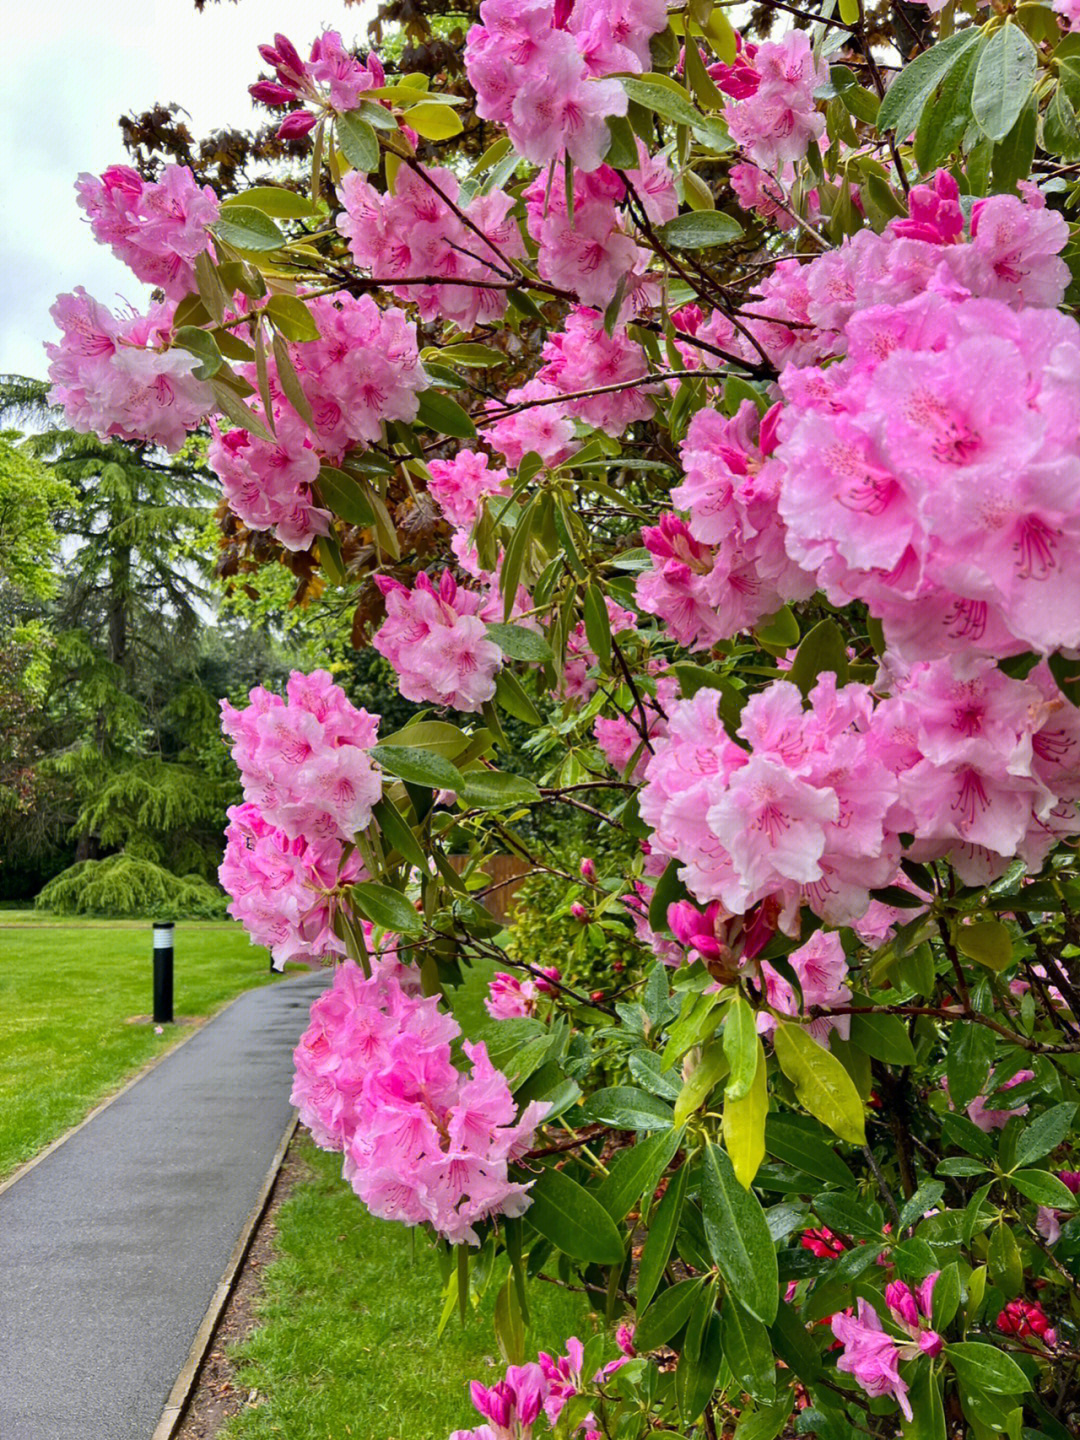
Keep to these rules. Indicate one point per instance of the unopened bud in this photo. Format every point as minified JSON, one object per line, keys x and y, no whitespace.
{"x":296,"y":125}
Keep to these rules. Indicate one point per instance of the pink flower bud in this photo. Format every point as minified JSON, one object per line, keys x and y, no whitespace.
{"x":290,"y":56}
{"x":296,"y":125}
{"x":271,"y":94}
{"x":931,"y":1343}
{"x":902,"y":1303}
{"x":588,"y":870}
{"x":578,"y":911}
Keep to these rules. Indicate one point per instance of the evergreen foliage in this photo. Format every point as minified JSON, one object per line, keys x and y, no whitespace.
{"x":126,"y":886}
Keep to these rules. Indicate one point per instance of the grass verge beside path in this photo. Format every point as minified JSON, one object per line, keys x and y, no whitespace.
{"x":67,"y":990}
{"x":347,"y":1346}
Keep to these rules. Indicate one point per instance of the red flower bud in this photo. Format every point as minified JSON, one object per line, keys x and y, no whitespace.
{"x":271,"y":94}
{"x":296,"y":125}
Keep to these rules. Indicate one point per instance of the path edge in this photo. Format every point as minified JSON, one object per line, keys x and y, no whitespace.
{"x":184,"y":1388}
{"x":35,"y":1160}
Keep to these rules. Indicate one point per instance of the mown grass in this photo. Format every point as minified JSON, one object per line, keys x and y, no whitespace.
{"x":347,"y":1348}
{"x":67,"y":991}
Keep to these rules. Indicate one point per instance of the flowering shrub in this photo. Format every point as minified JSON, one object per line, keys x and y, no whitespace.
{"x":713,"y":433}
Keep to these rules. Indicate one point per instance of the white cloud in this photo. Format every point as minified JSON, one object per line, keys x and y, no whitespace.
{"x":71,"y":69}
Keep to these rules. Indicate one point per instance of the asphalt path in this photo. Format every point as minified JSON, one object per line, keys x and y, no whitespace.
{"x":111,"y":1247}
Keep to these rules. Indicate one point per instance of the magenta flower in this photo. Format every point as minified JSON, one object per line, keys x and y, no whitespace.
{"x":870,"y":1355}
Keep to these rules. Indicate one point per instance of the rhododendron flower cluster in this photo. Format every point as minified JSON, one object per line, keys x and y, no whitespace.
{"x":114,"y":376}
{"x":416,"y":231}
{"x":458,"y":486}
{"x":727,"y":567}
{"x":910,"y":481}
{"x":510,"y":998}
{"x":580,"y":656}
{"x":422,"y":1141}
{"x":871,"y":1355}
{"x":346,"y":80}
{"x":363,"y":369}
{"x":513,"y":1405}
{"x":268,"y":482}
{"x":1027,"y":1318}
{"x":437,"y":642}
{"x":625,"y":736}
{"x":821,"y":968}
{"x":776,"y":119}
{"x":545,"y":428}
{"x":537,"y":67}
{"x":303,"y":760}
{"x":285,"y":890}
{"x":586,"y":357}
{"x":156,"y":228}
{"x":979,"y":1110}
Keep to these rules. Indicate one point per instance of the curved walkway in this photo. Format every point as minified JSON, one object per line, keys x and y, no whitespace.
{"x":111,"y":1248}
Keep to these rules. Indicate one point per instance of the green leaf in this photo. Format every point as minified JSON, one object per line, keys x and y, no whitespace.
{"x":779,"y":632}
{"x":638,"y":1173}
{"x":945,"y":1300}
{"x":988,"y":942}
{"x":661,"y":1237}
{"x":741,"y":1048}
{"x":509,"y":1322}
{"x":666,"y":1316}
{"x":667,"y":103}
{"x":738,"y":1236}
{"x":496,"y":790}
{"x":766,"y":1422}
{"x":358,"y":141}
{"x":386,"y":907}
{"x":292,"y":317}
{"x":822,"y":649}
{"x":420,"y":767}
{"x":627,"y":1108}
{"x":792,"y":1144}
{"x":744,"y":1124}
{"x":849,"y":11}
{"x":793,"y":1345}
{"x":597,"y":625}
{"x":967,"y":1062}
{"x":271,"y":200}
{"x":573,"y":1220}
{"x":985,"y":1367}
{"x":699,"y":1364}
{"x":203,"y":346}
{"x":290,"y":382}
{"x":669,"y":889}
{"x":1003,"y":81}
{"x":1045,"y":1133}
{"x":917,"y":81}
{"x":884,"y":1038}
{"x":698,"y":229}
{"x":248,"y":229}
{"x":344,"y":496}
{"x":622,"y":148}
{"x":927,"y":1410}
{"x":445,"y":416}
{"x":433,"y":121}
{"x":748,"y":1351}
{"x":821,"y":1082}
{"x":699,"y":1085}
{"x":513,"y":699}
{"x":1043,"y":1188}
{"x":478,"y":356}
{"x":518,"y":642}
{"x":1011,"y":160}
{"x":397,"y":834}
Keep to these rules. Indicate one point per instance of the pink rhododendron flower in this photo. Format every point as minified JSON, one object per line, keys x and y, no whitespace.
{"x":303,"y":760}
{"x":437,"y":642}
{"x":114,"y":376}
{"x":268,"y":483}
{"x":285,"y":891}
{"x":509,"y":998}
{"x":545,"y":429}
{"x":459,"y":485}
{"x":156,"y":228}
{"x":412,"y":232}
{"x":778,"y":119}
{"x":620,"y":739}
{"x":821,"y":967}
{"x":586,"y":357}
{"x":987,"y":1119}
{"x":422,"y":1141}
{"x":870,"y":1355}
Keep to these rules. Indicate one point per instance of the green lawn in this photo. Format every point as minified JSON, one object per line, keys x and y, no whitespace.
{"x":347,"y":1348}
{"x":66,"y":990}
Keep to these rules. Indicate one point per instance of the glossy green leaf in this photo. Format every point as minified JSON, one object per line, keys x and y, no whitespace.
{"x":702,"y":1080}
{"x":627,"y":1108}
{"x":1043,"y":1188}
{"x":496,"y":790}
{"x":433,"y":121}
{"x":203,"y":346}
{"x":741,"y":1048}
{"x":1003,"y":81}
{"x":985,"y":1367}
{"x":272,"y":200}
{"x":793,"y":1145}
{"x":967,"y":1062}
{"x":573,"y":1220}
{"x":661,"y":1237}
{"x":445,"y":416}
{"x":344,"y":496}
{"x":666,"y":1316}
{"x":397,"y":834}
{"x":744,"y":1124}
{"x":419,"y":767}
{"x":386,"y":907}
{"x":702,"y":1356}
{"x":988,"y":942}
{"x":927,"y":1409}
{"x":248,"y":229}
{"x":1044,"y":1133}
{"x":637,"y":1172}
{"x":699,"y":229}
{"x":518,"y":642}
{"x":738,"y":1236}
{"x":917,"y":81}
{"x":748,"y":1350}
{"x":822,"y":649}
{"x":883,"y":1037}
{"x":669,"y":889}
{"x":766,"y":1422}
{"x":821,"y":1082}
{"x":597,"y":625}
{"x":359,"y":142}
{"x":513,"y":699}
{"x":622,"y":149}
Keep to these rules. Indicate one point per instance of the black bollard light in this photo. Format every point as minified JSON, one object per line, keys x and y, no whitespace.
{"x":163,"y":972}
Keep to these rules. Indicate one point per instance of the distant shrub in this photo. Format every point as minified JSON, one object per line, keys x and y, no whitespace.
{"x":128,"y":887}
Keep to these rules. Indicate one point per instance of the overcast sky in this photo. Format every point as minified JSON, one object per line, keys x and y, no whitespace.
{"x":71,"y":68}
